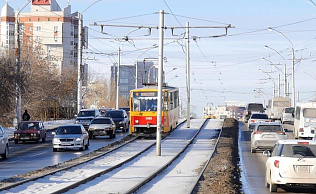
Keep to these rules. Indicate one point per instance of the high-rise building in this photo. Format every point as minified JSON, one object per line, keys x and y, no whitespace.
{"x":47,"y":27}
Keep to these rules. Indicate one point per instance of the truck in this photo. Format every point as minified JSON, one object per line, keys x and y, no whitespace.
{"x":275,"y":107}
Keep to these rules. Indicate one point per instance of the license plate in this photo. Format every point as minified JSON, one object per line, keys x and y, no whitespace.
{"x":66,"y":144}
{"x":25,"y":138}
{"x":303,"y":169}
{"x":269,"y":136}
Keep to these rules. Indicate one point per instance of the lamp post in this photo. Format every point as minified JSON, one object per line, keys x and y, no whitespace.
{"x":293,"y":61}
{"x":79,"y":80}
{"x":271,"y":80}
{"x":279,"y":82}
{"x":285,"y":80}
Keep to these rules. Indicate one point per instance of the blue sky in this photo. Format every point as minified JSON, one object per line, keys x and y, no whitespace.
{"x":225,"y":68}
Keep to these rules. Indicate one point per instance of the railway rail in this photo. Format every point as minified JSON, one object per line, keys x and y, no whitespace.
{"x":113,"y":172}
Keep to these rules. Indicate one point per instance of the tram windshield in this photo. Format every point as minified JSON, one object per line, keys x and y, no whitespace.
{"x":145,"y":104}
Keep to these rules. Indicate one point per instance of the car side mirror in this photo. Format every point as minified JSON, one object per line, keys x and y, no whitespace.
{"x":53,"y":133}
{"x":267,"y":153}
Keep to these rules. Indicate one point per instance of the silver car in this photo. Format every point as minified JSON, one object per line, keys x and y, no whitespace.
{"x":287,"y":115}
{"x":70,"y":136}
{"x":102,"y":126}
{"x":265,"y":135}
{"x":4,"y":144}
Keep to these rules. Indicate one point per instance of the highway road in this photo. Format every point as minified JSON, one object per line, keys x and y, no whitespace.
{"x":29,"y":156}
{"x":253,"y":164}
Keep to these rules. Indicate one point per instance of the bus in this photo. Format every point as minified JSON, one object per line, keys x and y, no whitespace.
{"x":305,"y":120}
{"x":276,"y":106}
{"x":143,"y":110}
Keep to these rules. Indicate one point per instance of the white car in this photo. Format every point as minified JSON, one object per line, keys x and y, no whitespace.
{"x":4,"y":144}
{"x":70,"y":136}
{"x":256,"y":118}
{"x":265,"y":135}
{"x":292,"y":163}
{"x":287,"y":115}
{"x":102,"y":126}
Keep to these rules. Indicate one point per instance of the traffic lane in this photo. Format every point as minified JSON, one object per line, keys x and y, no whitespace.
{"x":29,"y":156}
{"x":253,"y":164}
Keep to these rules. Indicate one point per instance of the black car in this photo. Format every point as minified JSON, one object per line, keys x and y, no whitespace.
{"x":120,"y":119}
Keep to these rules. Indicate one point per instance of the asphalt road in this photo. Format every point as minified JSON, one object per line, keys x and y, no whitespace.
{"x":29,"y":156}
{"x":253,"y":164}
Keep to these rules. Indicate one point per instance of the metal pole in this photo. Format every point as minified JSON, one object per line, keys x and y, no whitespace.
{"x":293,"y":80}
{"x":188,"y":73}
{"x":118,"y":78}
{"x":279,"y":86}
{"x":79,"y":81}
{"x":160,"y":74}
{"x":273,"y":89}
{"x":285,"y":82}
{"x":136,"y":74}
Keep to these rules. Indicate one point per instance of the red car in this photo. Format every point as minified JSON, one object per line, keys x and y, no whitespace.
{"x":30,"y":131}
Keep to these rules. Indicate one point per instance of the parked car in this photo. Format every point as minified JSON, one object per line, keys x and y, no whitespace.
{"x":70,"y":136}
{"x":256,"y":118}
{"x":4,"y":144}
{"x":292,"y":163}
{"x":102,"y":126}
{"x":253,"y":108}
{"x":265,"y":135}
{"x":287,"y":115}
{"x":85,"y":116}
{"x":120,"y":119}
{"x":30,"y":131}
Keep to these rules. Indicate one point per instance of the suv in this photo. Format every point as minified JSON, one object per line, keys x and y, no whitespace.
{"x":253,"y":108}
{"x":30,"y":131}
{"x":4,"y":144}
{"x":85,"y":117}
{"x":102,"y":126}
{"x":120,"y":119}
{"x":287,"y":115}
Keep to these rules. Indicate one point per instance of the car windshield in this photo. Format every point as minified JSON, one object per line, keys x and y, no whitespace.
{"x":259,"y":116}
{"x":86,"y":114}
{"x":309,"y":112}
{"x":289,"y":110}
{"x":115,"y":114}
{"x":69,"y":130}
{"x":29,"y":125}
{"x":255,"y":107}
{"x":101,"y":121}
{"x":269,"y":128}
{"x":290,"y":150}
{"x":281,"y":103}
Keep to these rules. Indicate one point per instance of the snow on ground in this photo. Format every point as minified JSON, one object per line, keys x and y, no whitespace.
{"x":130,"y":174}
{"x":182,"y":174}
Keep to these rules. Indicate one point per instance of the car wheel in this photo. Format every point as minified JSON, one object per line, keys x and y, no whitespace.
{"x":87,"y":146}
{"x":81,"y":148}
{"x":266,"y":184}
{"x":111,"y":135}
{"x":54,"y":149}
{"x":16,"y":141}
{"x":6,"y":152}
{"x":114,"y":135}
{"x":272,"y":187}
{"x":91,"y":135}
{"x":38,"y":139}
{"x":44,"y":138}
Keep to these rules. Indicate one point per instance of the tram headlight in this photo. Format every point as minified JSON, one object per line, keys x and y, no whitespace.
{"x":136,"y":121}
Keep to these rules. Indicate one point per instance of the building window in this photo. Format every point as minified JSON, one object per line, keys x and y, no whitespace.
{"x":30,"y":38}
{"x":48,"y":19}
{"x":38,"y":28}
{"x":55,"y":29}
{"x":58,"y":19}
{"x":55,"y":38}
{"x":124,"y":88}
{"x":71,"y":53}
{"x":30,"y":29}
{"x":71,"y":43}
{"x":124,"y":81}
{"x":30,"y":19}
{"x":38,"y":19}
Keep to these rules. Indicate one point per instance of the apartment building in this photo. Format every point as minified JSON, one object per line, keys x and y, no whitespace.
{"x":48,"y":28}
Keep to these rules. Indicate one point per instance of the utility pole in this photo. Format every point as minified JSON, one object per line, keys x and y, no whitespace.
{"x":188,"y":73}
{"x":118,"y":78}
{"x":279,"y":86}
{"x":160,"y":77}
{"x":79,"y":80}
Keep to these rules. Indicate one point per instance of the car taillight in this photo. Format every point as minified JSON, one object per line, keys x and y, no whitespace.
{"x":301,"y":130}
{"x":252,"y":121}
{"x":267,"y":121}
{"x":303,"y":143}
{"x":257,"y":132}
{"x":281,"y":133}
{"x":277,"y":163}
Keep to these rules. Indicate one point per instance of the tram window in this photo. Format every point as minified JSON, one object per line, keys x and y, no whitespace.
{"x":145,"y":104}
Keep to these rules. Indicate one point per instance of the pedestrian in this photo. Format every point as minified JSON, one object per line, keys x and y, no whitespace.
{"x":26,"y":116}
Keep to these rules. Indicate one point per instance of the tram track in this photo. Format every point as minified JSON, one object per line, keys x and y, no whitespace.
{"x":99,"y":166}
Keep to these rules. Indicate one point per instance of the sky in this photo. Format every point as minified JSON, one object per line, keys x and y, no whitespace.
{"x":227,"y":68}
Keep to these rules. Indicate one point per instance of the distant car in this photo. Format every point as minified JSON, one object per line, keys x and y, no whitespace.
{"x":256,"y":118}
{"x":120,"y":119}
{"x":265,"y":135}
{"x":102,"y":126}
{"x":292,"y":163}
{"x":252,"y":108}
{"x":85,"y":116}
{"x":70,"y":136}
{"x":30,"y":131}
{"x":104,"y":110}
{"x":4,"y":144}
{"x":287,"y":115}
{"x":127,"y":109}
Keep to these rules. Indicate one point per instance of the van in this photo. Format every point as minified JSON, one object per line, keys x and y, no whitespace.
{"x":275,"y":107}
{"x":253,"y":108}
{"x":305,"y":120}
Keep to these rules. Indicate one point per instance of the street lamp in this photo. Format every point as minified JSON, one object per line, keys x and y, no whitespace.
{"x":293,"y":59}
{"x":271,"y":80}
{"x":279,"y":82}
{"x":285,"y":80}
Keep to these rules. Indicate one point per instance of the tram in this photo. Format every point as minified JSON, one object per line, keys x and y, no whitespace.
{"x":143,"y":109}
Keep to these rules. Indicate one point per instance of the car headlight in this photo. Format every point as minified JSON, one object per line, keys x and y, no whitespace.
{"x":78,"y":139}
{"x":56,"y":140}
{"x":121,"y":122}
